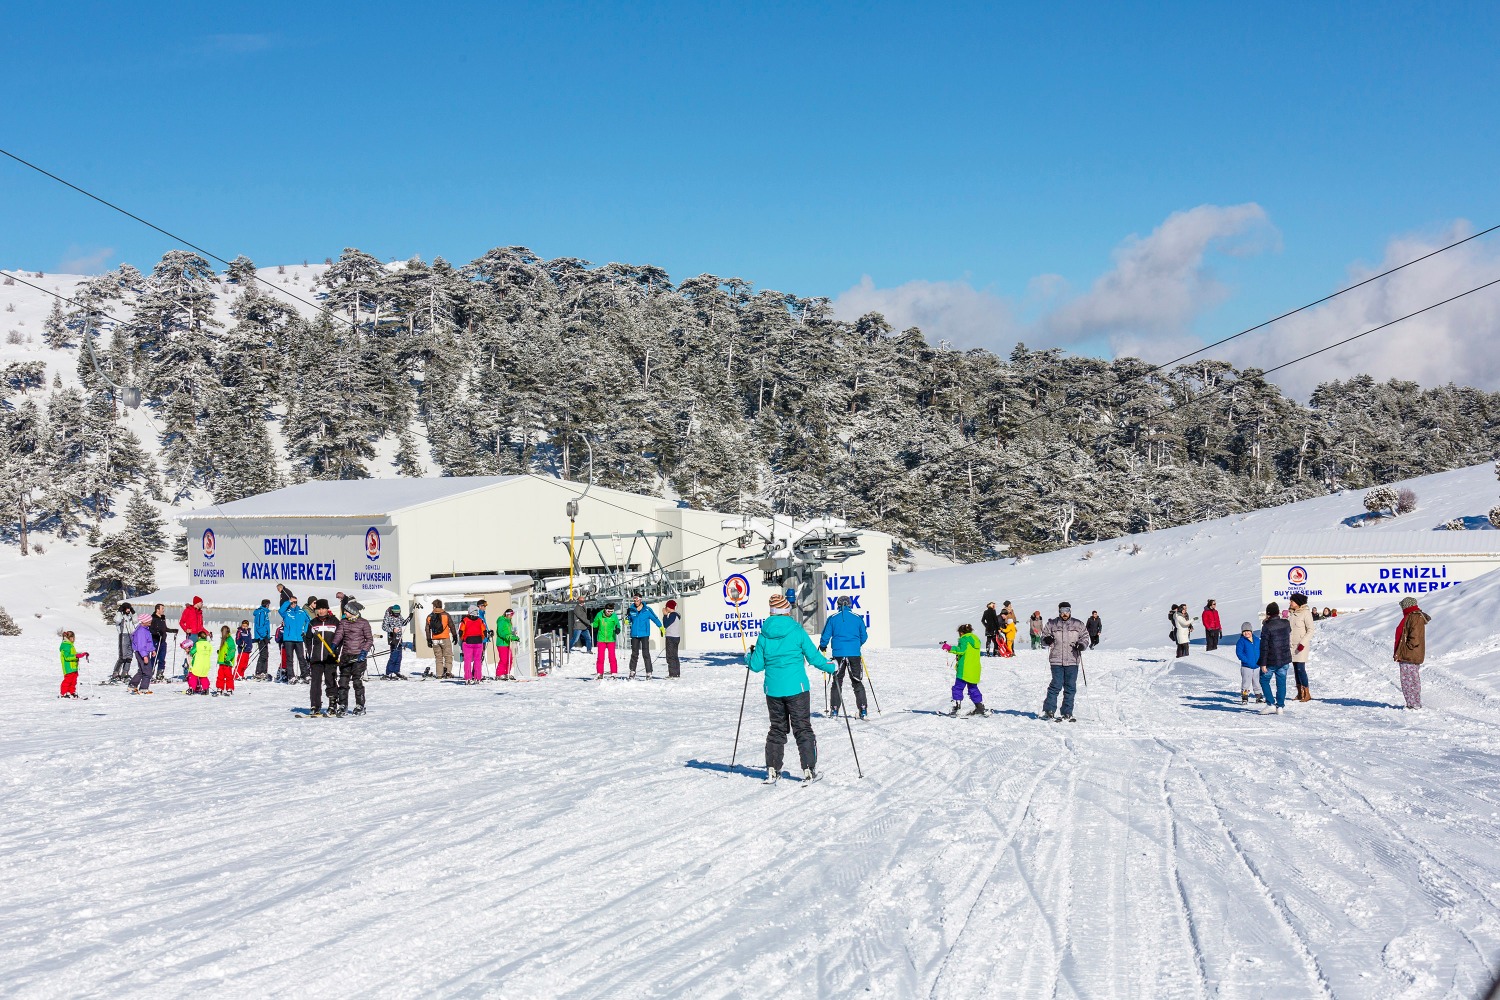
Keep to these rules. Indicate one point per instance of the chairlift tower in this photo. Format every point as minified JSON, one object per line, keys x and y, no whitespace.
{"x":793,"y":555}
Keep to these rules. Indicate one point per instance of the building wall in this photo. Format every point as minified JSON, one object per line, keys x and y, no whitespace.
{"x":1351,"y":583}
{"x":308,"y":555}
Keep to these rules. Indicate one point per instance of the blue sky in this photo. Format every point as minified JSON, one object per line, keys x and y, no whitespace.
{"x":1007,"y":150}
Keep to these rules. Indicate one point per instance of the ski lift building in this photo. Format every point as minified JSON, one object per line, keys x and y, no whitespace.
{"x":387,"y":535}
{"x":1354,"y":570}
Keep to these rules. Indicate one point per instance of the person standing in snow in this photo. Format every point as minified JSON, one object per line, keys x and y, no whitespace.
{"x":1065,"y":638}
{"x":471,"y":633}
{"x":1301,"y":620}
{"x":1411,"y":649}
{"x":505,"y":642}
{"x":846,"y":631}
{"x":581,"y":625}
{"x":1182,"y":628}
{"x":1247,"y":651}
{"x":671,"y":630}
{"x":70,"y":656}
{"x":779,"y":653}
{"x":144,"y":647}
{"x":640,"y":618}
{"x":191,"y":622}
{"x":966,"y":669}
{"x":354,"y":641}
{"x":124,"y":629}
{"x":1038,"y":625}
{"x":1094,"y":626}
{"x":260,"y":634}
{"x":224,"y":679}
{"x":200,"y":664}
{"x":439,"y":629}
{"x":294,"y":624}
{"x":241,"y":649}
{"x":990,"y":622}
{"x":393,"y":624}
{"x":606,"y":627}
{"x":322,"y":657}
{"x":1275,"y":657}
{"x":1212,"y":629}
{"x":159,"y":632}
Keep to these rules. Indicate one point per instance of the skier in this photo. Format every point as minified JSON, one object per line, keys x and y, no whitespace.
{"x":1275,"y":656}
{"x":159,"y":636}
{"x":966,"y":671}
{"x":1247,"y":651}
{"x":144,"y":647}
{"x":990,"y":622}
{"x":1182,"y":628}
{"x":471,"y":633}
{"x":1212,"y":630}
{"x":294,"y":623}
{"x":640,"y":618}
{"x":354,"y":641}
{"x":242,"y":649}
{"x":124,"y":630}
{"x":70,"y":657}
{"x":671,"y":630}
{"x":392,"y":625}
{"x":1411,"y":649}
{"x":322,"y":658}
{"x":439,"y":629}
{"x":505,"y":640}
{"x":606,"y":627}
{"x":191,"y":622}
{"x":283,"y":675}
{"x":779,"y":653}
{"x":581,"y":625}
{"x":200,"y":663}
{"x":224,"y":680}
{"x":1303,"y":628}
{"x":846,"y":631}
{"x":1095,"y":628}
{"x":1065,"y":638}
{"x":261,"y":635}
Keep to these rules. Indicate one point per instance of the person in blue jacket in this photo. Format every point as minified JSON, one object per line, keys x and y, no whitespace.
{"x":640,"y":618}
{"x":846,"y":631}
{"x":779,"y":653}
{"x":260,"y":633}
{"x":294,"y":622}
{"x":1247,"y":651}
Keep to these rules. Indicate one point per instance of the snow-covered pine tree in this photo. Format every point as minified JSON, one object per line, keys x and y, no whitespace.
{"x":1382,"y":499}
{"x":25,"y":470}
{"x":143,"y":522}
{"x":120,"y":568}
{"x":8,"y":624}
{"x":55,"y":328}
{"x":241,"y":271}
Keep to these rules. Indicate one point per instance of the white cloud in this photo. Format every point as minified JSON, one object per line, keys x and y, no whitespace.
{"x":78,"y":260}
{"x":954,"y":311}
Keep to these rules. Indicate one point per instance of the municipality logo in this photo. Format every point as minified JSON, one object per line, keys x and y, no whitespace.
{"x":1296,"y":576}
{"x":210,"y":543}
{"x":372,"y":544}
{"x":736,"y":590}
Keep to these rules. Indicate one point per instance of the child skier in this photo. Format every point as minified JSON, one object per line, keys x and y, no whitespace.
{"x":242,"y":644}
{"x":606,"y":627}
{"x":1008,"y":632}
{"x":1247,"y":651}
{"x":200,"y":664}
{"x":966,"y":669}
{"x":282,"y":676}
{"x":224,"y":682}
{"x":70,"y":657}
{"x":1037,"y":625}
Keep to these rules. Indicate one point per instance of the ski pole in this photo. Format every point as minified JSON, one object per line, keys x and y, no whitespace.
{"x":851,"y":745}
{"x":741,"y":720}
{"x":871,"y":678}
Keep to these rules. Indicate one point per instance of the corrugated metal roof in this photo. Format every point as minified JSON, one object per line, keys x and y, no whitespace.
{"x":350,"y":497}
{"x":1360,"y":542}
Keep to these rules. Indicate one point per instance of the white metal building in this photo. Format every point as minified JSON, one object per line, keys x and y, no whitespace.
{"x":1353,"y":570}
{"x":387,"y":535}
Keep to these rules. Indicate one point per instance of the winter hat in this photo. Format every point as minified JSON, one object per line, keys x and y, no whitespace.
{"x":1273,"y":610}
{"x":143,"y":619}
{"x":394,"y":607}
{"x":197,"y":600}
{"x":1065,"y":606}
{"x":671,"y":605}
{"x":322,"y":604}
{"x":1408,"y":602}
{"x":1246,"y":627}
{"x":1299,"y":600}
{"x":780,"y":605}
{"x":353,"y":608}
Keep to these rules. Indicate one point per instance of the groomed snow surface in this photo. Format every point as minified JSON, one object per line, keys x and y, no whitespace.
{"x":567,"y":837}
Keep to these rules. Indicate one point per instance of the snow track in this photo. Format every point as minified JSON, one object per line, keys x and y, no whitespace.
{"x":581,"y":839}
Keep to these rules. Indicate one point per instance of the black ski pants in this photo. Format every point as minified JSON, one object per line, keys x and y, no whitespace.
{"x":325,"y":676}
{"x":262,"y":657}
{"x":992,"y":643}
{"x":854,"y":667}
{"x":674,"y":665}
{"x":1064,"y":681}
{"x":793,"y":715}
{"x":295,"y":652}
{"x":1211,"y":638}
{"x":351,"y":674}
{"x":640,"y":645}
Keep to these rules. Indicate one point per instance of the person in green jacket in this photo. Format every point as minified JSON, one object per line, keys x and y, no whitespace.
{"x":606,"y":627}
{"x":966,"y":666}
{"x":70,"y":655}
{"x":780,"y":653}
{"x":200,"y":664}
{"x":505,"y":636}
{"x":224,"y":679}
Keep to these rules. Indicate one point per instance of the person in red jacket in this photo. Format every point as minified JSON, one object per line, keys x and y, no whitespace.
{"x":471,"y":631}
{"x":191,"y":623}
{"x":1211,"y":627}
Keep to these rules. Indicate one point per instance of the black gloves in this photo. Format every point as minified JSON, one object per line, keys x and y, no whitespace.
{"x":1078,"y":648}
{"x":1048,"y":640}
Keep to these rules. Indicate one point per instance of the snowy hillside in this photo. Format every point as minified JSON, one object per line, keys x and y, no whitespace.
{"x":1132,"y":590}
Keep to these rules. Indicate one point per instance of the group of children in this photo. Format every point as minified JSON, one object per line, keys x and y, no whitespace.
{"x":201,"y":660}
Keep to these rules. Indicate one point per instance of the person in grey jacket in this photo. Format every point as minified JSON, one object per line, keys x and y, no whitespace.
{"x":581,"y":626}
{"x":1065,"y":638}
{"x":124,"y":633}
{"x":354,"y":640}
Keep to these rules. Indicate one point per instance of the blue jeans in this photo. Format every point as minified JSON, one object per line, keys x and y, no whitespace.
{"x":588,"y":639}
{"x":1065,"y":682}
{"x":1265,"y":684}
{"x":393,"y":665}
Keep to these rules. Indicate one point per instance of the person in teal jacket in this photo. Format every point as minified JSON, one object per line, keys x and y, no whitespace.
{"x":966,"y":669}
{"x":780,"y":653}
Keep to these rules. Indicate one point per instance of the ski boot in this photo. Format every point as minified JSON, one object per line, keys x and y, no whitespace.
{"x":357,"y":710}
{"x":953,"y":712}
{"x":809,"y":775}
{"x":317,"y":713}
{"x":1244,"y":697}
{"x":1047,"y":716}
{"x":980,"y":710}
{"x":864,"y":713}
{"x":772,"y":776}
{"x":336,"y":712}
{"x":1066,"y":718}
